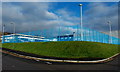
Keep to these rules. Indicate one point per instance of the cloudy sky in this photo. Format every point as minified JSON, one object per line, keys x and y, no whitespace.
{"x":29,"y":16}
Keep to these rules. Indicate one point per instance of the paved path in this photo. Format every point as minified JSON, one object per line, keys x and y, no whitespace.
{"x":15,"y":63}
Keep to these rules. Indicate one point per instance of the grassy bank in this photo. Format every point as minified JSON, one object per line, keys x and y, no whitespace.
{"x":66,"y":49}
{"x":0,"y":44}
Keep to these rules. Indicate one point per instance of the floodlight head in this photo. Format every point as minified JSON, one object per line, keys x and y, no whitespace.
{"x":3,"y":25}
{"x":108,"y":22}
{"x":11,"y":23}
{"x":80,"y":4}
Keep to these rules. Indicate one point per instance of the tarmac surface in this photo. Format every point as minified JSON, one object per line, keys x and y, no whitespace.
{"x":14,"y":63}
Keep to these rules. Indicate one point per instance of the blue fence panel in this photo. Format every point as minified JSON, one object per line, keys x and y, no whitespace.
{"x":69,"y":34}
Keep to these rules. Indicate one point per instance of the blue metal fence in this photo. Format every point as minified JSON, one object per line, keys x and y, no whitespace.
{"x":71,"y":33}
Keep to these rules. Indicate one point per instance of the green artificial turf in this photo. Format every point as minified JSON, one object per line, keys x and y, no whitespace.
{"x":66,"y":49}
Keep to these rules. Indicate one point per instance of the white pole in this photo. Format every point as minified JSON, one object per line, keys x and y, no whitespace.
{"x":81,"y":22}
{"x":58,"y":19}
{"x":13,"y":33}
{"x":68,"y":33}
{"x":110,"y":31}
{"x":77,"y":33}
{"x":13,"y":29}
{"x":30,"y":35}
{"x":3,"y":28}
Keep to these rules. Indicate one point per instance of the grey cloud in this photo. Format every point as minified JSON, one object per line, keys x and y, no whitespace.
{"x":68,"y":16}
{"x":98,"y":15}
{"x":34,"y":16}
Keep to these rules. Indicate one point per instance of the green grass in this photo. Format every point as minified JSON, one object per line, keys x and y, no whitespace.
{"x":0,"y":44}
{"x":66,"y":49}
